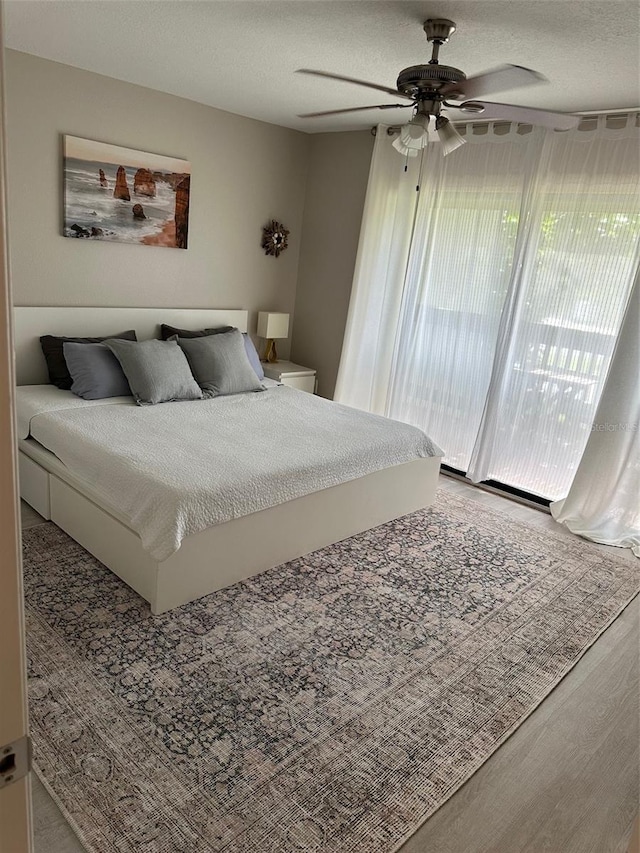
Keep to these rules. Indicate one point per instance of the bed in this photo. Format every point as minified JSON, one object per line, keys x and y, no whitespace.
{"x":67,"y":475}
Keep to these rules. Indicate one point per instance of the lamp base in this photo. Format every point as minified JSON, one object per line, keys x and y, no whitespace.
{"x":270,"y":353}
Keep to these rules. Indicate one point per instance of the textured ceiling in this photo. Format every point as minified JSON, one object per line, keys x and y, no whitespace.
{"x":240,"y":55}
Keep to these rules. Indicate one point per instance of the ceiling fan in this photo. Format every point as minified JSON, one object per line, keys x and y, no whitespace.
{"x":430,"y":88}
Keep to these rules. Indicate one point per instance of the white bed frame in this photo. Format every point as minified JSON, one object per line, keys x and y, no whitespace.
{"x":221,"y":555}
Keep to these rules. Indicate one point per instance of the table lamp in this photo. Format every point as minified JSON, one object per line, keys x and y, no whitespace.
{"x":270,"y":326}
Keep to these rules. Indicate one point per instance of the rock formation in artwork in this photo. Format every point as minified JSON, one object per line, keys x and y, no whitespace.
{"x":103,"y":179}
{"x":96,"y":232}
{"x":122,"y":190}
{"x":171,"y":178}
{"x":144,"y":183}
{"x":182,"y":212}
{"x":138,"y":211}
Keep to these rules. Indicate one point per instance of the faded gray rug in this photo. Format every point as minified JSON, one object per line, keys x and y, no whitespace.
{"x":330,"y":704}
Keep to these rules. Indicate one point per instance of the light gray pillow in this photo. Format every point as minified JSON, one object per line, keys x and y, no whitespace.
{"x":95,"y":371}
{"x":157,"y":371}
{"x":220,"y":364}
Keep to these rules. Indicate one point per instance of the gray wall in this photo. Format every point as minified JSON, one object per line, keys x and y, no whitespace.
{"x":244,"y":172}
{"x":336,"y":186}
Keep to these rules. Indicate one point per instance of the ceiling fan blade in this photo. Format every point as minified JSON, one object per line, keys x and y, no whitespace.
{"x":496,"y":80}
{"x":356,"y":110}
{"x":526,"y":115}
{"x":364,"y":83}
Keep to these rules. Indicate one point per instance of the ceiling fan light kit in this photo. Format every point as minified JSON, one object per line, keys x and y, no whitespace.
{"x":448,"y":135}
{"x":413,"y":136}
{"x":429,"y":86}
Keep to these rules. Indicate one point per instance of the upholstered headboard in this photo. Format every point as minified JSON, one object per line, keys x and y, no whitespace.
{"x":30,"y":323}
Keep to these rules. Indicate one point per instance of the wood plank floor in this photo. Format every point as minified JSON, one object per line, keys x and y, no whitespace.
{"x":568,"y":779}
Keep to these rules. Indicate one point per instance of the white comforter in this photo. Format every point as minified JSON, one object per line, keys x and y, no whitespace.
{"x":178,"y":468}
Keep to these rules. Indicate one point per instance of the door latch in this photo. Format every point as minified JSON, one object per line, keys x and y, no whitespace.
{"x":15,"y":761}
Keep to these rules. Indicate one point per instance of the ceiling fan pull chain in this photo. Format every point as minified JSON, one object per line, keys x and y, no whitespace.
{"x":421,"y":167}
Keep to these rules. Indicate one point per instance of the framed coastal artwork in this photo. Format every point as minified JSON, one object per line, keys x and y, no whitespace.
{"x":123,"y":195}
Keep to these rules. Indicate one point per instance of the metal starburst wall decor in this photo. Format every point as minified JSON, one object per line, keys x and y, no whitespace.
{"x":274,"y":238}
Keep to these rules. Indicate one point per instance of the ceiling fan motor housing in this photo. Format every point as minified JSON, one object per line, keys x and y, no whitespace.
{"x":439,"y":29}
{"x":420,"y":80}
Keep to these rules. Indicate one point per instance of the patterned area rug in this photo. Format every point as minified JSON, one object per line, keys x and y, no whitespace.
{"x":330,"y":704}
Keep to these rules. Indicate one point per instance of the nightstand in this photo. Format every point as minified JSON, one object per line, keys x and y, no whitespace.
{"x":293,"y":375}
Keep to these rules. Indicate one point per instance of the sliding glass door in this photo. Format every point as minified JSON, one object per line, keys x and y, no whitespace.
{"x":523,"y":254}
{"x":455,"y":288}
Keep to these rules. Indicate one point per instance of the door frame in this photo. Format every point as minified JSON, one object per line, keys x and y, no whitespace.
{"x":15,"y":798}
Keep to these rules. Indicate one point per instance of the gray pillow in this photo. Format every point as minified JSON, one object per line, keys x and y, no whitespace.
{"x":220,"y":364}
{"x":172,"y":333}
{"x":54,"y":355}
{"x":157,"y":371}
{"x":252,"y":355}
{"x":95,"y":371}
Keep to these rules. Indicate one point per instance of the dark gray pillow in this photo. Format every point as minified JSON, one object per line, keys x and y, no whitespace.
{"x":167,"y":331}
{"x":54,"y":355}
{"x":95,"y":371}
{"x":220,"y":364}
{"x":157,"y":371}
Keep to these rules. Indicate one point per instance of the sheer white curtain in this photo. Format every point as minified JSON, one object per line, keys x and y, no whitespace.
{"x":487,"y":313}
{"x":578,"y":250}
{"x":383,"y":250}
{"x":603,"y":503}
{"x":457,"y":280}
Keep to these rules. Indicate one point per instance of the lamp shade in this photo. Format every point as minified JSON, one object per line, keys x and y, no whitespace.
{"x":272,"y":325}
{"x":413,"y":137}
{"x":449,"y":136}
